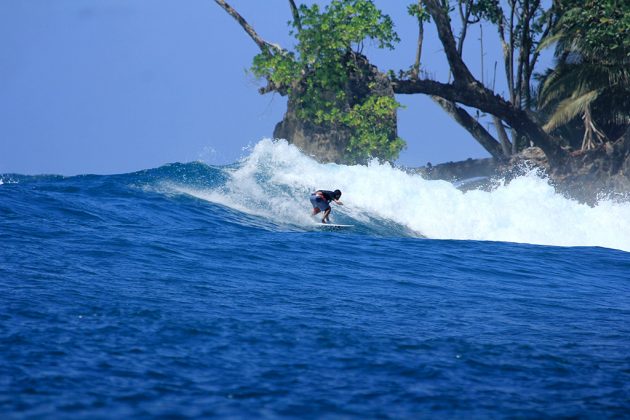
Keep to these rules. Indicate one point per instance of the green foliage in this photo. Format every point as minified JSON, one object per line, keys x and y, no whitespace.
{"x":593,"y":71}
{"x":316,"y":76}
{"x":489,"y":10}
{"x":530,"y":19}
{"x":372,"y":131}
{"x":279,"y":69}
{"x":343,"y":24}
{"x":595,"y":28}
{"x":419,"y":11}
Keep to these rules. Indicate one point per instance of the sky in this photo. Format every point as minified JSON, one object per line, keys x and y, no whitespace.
{"x":115,"y":86}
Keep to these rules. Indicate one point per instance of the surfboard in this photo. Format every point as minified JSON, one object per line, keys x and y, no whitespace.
{"x":332,"y":226}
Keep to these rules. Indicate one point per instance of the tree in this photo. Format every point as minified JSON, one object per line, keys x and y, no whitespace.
{"x":521,"y":27}
{"x":329,"y":82}
{"x":468,"y":91}
{"x":458,"y":113}
{"x":318,"y":75}
{"x":592,"y":77}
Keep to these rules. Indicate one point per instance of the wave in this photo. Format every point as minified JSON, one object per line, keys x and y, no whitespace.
{"x":270,"y":187}
{"x":274,"y":182}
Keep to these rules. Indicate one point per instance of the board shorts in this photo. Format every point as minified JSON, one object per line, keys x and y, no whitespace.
{"x":320,"y":203}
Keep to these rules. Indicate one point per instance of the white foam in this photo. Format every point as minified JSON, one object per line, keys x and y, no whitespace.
{"x":275,"y":181}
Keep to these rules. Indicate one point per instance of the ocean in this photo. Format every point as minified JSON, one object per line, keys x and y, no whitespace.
{"x":195,"y":291}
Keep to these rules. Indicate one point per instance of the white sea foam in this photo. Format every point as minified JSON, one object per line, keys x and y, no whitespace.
{"x":275,"y":181}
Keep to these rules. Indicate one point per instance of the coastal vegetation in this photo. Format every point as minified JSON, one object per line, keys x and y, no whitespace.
{"x":319,"y":75}
{"x":591,"y":80}
{"x":577,"y":114}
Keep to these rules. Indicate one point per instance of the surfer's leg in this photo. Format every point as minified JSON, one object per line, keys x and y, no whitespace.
{"x":315,"y":211}
{"x":326,"y":214}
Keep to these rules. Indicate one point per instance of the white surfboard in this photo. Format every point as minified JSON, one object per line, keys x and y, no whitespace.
{"x":332,"y":226}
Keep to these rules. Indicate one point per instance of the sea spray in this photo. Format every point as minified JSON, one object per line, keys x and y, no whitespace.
{"x":275,"y":179}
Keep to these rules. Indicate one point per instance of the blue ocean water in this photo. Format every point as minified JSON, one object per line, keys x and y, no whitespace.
{"x":195,"y":291}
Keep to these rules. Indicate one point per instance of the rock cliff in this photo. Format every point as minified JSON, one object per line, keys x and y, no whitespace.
{"x":328,"y":143}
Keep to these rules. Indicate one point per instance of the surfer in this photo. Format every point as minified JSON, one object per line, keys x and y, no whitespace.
{"x":321,"y":202}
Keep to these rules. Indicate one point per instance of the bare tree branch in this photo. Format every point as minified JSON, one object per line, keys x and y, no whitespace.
{"x":479,"y":97}
{"x":415,"y":71}
{"x":464,"y":16}
{"x":262,"y":44}
{"x":443,"y":24}
{"x":296,"y":15}
{"x":480,"y":134}
{"x":506,"y":146}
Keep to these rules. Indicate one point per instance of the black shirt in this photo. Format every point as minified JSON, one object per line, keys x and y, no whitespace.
{"x":328,"y":195}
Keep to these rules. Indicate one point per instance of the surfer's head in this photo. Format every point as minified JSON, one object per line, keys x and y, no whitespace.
{"x":337,"y":194}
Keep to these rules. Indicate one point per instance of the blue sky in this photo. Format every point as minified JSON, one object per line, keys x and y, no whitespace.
{"x":114,"y":86}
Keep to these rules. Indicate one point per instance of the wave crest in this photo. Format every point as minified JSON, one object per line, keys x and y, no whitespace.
{"x":275,"y":180}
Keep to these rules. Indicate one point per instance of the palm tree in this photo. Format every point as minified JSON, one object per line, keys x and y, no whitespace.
{"x":592,"y":77}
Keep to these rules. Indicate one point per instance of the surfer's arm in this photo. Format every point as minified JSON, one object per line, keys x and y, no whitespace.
{"x":338,"y":202}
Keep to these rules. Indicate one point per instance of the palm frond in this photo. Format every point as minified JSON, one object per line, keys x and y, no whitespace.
{"x":559,"y":84}
{"x":550,"y":40}
{"x":578,"y":79}
{"x":570,"y":108}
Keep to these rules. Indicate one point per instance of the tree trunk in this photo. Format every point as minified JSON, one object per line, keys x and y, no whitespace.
{"x":506,"y":146}
{"x":468,"y":91}
{"x":472,"y":126}
{"x":296,"y":15}
{"x":415,"y":71}
{"x":483,"y":99}
{"x":443,"y":24}
{"x":262,"y":44}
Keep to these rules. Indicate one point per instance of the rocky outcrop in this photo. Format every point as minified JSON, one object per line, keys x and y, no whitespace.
{"x":324,"y":143}
{"x":587,"y":176}
{"x":604,"y":171}
{"x":458,"y":171}
{"x":329,"y":143}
